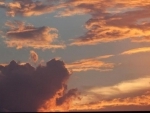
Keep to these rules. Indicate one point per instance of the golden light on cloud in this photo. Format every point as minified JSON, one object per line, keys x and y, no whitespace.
{"x":111,"y":96}
{"x":141,"y":100}
{"x":119,"y":90}
{"x":136,"y":50}
{"x":123,"y":87}
{"x":91,"y":64}
{"x":21,"y":35}
{"x":37,"y":83}
{"x":108,"y":25}
{"x":110,"y":20}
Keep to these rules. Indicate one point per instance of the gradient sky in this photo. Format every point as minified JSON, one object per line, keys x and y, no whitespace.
{"x":103,"y":44}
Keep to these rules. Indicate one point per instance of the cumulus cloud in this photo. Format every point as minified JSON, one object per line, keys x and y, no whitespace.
{"x":111,"y":20}
{"x":24,"y":88}
{"x":21,"y":35}
{"x":136,"y":50}
{"x":33,"y":56}
{"x":90,"y":64}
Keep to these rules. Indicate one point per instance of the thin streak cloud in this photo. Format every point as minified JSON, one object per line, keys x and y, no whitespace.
{"x":91,"y":64}
{"x":136,"y":50}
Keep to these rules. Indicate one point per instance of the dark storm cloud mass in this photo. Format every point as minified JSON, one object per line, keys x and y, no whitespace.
{"x":25,"y":88}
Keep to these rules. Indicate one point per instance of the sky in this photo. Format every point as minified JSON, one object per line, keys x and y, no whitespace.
{"x":74,"y":55}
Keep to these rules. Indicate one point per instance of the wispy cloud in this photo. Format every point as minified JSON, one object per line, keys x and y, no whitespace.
{"x":136,"y":50}
{"x":30,"y":7}
{"x":111,"y":96}
{"x":21,"y":35}
{"x":91,"y":64}
{"x":111,"y":20}
{"x":123,"y":87}
{"x":142,"y":100}
{"x":118,"y":90}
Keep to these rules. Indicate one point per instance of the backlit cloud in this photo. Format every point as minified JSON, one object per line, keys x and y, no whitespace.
{"x":25,"y":88}
{"x":20,"y":35}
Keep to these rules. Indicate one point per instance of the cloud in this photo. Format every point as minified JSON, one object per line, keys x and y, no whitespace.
{"x":111,"y":20}
{"x":136,"y":50}
{"x":90,"y":64}
{"x":119,"y":90}
{"x":2,"y":4}
{"x":138,"y":101}
{"x":20,"y":35}
{"x":123,"y":87}
{"x":30,"y":7}
{"x":120,"y":96}
{"x":25,"y":88}
{"x":33,"y":56}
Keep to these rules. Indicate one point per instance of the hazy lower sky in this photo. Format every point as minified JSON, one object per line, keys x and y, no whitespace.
{"x":74,"y":55}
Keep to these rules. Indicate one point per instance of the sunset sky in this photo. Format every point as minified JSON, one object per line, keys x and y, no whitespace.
{"x":74,"y":55}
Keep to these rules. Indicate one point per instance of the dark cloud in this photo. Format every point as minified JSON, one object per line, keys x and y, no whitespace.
{"x":24,"y":88}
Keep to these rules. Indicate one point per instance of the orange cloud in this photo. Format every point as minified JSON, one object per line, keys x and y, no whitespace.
{"x":120,"y":91}
{"x":142,"y":100}
{"x":20,"y":35}
{"x":91,"y":64}
{"x":111,"y":20}
{"x":136,"y":50}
